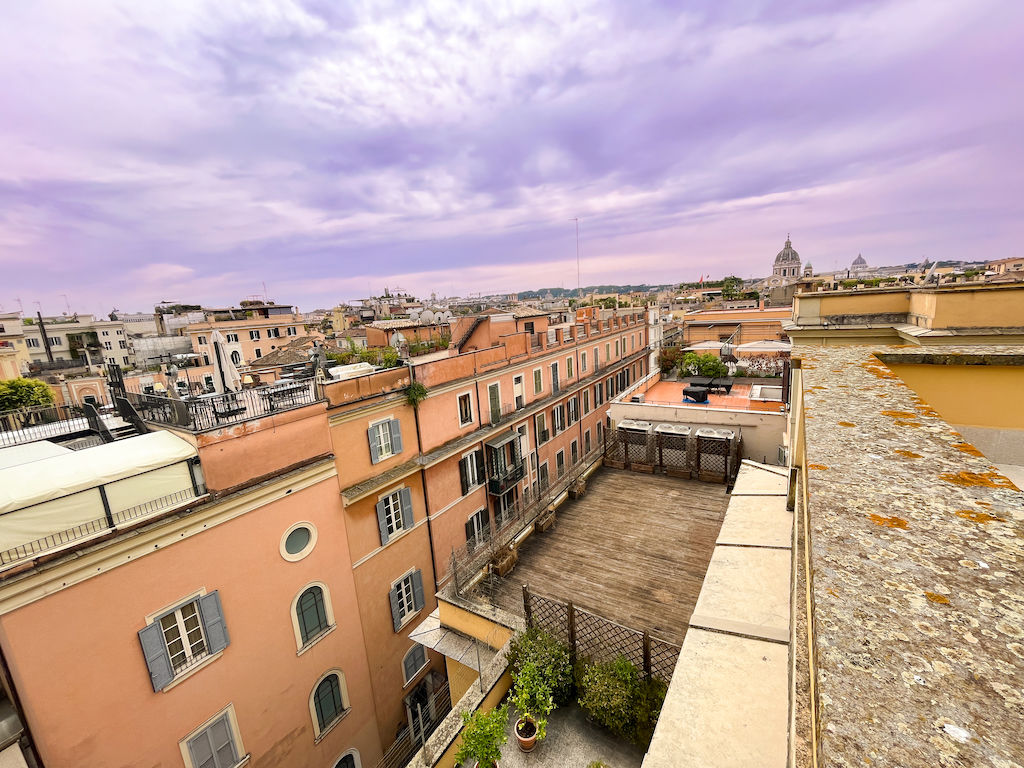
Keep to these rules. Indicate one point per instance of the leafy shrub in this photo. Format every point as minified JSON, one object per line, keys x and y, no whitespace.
{"x":540,"y":649}
{"x":482,"y":736}
{"x":532,"y":697}
{"x":617,"y":697}
{"x":23,"y":393}
{"x":709,"y":365}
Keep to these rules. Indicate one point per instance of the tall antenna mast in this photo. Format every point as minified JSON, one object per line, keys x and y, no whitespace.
{"x":579,"y":285}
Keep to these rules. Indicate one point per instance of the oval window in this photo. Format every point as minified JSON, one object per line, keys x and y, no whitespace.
{"x":298,"y":541}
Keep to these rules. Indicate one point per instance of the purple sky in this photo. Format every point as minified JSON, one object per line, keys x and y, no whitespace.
{"x":191,"y":151}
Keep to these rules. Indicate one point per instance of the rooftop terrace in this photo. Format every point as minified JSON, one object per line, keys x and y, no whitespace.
{"x":633,"y":549}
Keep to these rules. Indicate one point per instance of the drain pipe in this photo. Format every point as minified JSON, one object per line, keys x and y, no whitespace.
{"x":423,"y":479}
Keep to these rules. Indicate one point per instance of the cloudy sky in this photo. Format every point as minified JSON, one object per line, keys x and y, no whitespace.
{"x":193,"y":151}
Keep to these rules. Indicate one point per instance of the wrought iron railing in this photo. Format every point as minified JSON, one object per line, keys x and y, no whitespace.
{"x":500,"y":482}
{"x":60,"y":539}
{"x":407,"y":745}
{"x":26,"y":425}
{"x":209,"y":411}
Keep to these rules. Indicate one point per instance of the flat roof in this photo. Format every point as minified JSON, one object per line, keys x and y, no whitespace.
{"x":634,"y":549}
{"x":918,"y":589}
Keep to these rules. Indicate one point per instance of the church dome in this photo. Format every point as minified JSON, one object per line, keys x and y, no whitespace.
{"x":859,"y":261}
{"x":787,"y":255}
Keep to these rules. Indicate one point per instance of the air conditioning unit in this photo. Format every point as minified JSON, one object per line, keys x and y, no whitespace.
{"x":637,"y":398}
{"x":783,"y":456}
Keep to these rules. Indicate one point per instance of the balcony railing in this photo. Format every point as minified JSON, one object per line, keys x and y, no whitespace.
{"x":41,"y":422}
{"x":210,"y":411}
{"x":503,"y":480}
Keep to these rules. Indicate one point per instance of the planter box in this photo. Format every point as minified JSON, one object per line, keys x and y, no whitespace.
{"x":544,"y":522}
{"x":505,"y":562}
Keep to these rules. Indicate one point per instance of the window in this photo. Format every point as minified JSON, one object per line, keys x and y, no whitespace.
{"x":608,"y":352}
{"x":568,"y":367}
{"x":208,"y":379}
{"x":465,"y":409}
{"x":542,"y":429}
{"x":108,"y":345}
{"x":349,"y":760}
{"x":329,"y":702}
{"x":385,"y":440}
{"x":406,"y":598}
{"x":311,"y":614}
{"x":199,"y":339}
{"x":494,"y":402}
{"x":574,"y":452}
{"x":215,"y":745}
{"x":105,"y":333}
{"x":394,"y":514}
{"x":617,"y":352}
{"x":236,"y":358}
{"x":273,"y":333}
{"x":586,"y":442}
{"x":180,"y":638}
{"x":120,"y":333}
{"x":34,"y":343}
{"x":478,"y":528}
{"x":414,"y":662}
{"x":538,"y":380}
{"x":558,"y":418}
{"x":542,"y":476}
{"x":291,"y":331}
{"x":232,"y":338}
{"x":125,"y":360}
{"x":298,"y":541}
{"x":55,"y":341}
{"x":257,"y":353}
{"x":471,"y":471}
{"x":586,"y":401}
{"x":583,"y":362}
{"x":572,"y":410}
{"x":560,"y":463}
{"x":254,"y":335}
{"x":123,"y":344}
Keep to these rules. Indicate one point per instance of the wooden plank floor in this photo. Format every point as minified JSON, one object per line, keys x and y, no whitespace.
{"x":633,"y":549}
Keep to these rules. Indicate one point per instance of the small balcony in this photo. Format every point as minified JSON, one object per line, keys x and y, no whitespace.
{"x":505,"y":463}
{"x":502,"y":481}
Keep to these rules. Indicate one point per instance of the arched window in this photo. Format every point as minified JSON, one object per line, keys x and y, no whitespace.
{"x":349,"y":760}
{"x":311,"y":614}
{"x":414,"y":661}
{"x":329,"y":701}
{"x":235,"y":357}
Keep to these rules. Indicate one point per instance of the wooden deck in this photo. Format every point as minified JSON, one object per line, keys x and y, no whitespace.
{"x":633,"y":549}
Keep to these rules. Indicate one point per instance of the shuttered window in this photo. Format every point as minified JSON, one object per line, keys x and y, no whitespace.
{"x":471,"y":471}
{"x":406,"y":598}
{"x":478,"y":528}
{"x":385,"y":440}
{"x":394,"y":514}
{"x":414,"y":661}
{"x":180,"y":639}
{"x":214,"y":746}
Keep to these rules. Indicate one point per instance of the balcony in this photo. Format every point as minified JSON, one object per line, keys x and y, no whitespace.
{"x":503,"y":480}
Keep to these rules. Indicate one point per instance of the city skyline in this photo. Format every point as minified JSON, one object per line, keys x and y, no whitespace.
{"x":195,"y":153}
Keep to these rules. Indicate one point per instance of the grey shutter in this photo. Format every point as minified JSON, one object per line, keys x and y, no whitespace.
{"x":480,"y":471}
{"x":417,"y":589}
{"x":155,"y":652}
{"x":470,"y":531}
{"x":410,"y":665}
{"x":371,"y":433}
{"x":213,"y":622}
{"x":463,"y":480}
{"x":396,"y":618}
{"x":396,"y":436}
{"x":487,"y":523}
{"x":382,"y":523}
{"x":406,"y":497}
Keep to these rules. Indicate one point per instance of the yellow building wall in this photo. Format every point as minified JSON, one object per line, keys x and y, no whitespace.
{"x":493,"y":699}
{"x":1001,"y":306}
{"x":460,"y":679}
{"x":809,"y":309}
{"x":461,"y":620}
{"x":972,"y":395}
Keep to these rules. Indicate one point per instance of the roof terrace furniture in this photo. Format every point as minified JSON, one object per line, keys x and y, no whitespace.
{"x":700,"y":381}
{"x":695,"y":394}
{"x":721,"y":384}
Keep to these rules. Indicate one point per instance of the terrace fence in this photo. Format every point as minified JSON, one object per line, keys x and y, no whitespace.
{"x":704,"y":458}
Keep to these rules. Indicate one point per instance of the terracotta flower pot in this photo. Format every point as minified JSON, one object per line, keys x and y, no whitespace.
{"x":526,"y":734}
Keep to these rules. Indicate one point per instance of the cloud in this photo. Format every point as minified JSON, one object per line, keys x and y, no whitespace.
{"x":327,"y":149}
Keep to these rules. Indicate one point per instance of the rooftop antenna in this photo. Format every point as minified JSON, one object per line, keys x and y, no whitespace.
{"x":579,"y":285}
{"x":265,"y":291}
{"x":21,"y":307}
{"x":67,"y":304}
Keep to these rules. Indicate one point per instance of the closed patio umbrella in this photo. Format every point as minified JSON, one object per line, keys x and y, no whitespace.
{"x":225,"y":376}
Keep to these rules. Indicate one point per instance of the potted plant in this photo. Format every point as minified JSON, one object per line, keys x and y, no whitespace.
{"x":534,"y":701}
{"x":482,"y":736}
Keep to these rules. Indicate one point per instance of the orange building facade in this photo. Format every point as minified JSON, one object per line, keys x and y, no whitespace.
{"x":267,"y":619}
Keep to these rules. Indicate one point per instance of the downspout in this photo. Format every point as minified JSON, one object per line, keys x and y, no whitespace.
{"x":423,"y":479}
{"x":46,"y":339}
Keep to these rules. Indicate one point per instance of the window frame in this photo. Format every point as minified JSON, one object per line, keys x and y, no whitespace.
{"x":254,"y":334}
{"x":325,"y":594}
{"x":319,"y":732}
{"x":393,"y":506}
{"x":538,"y":380}
{"x":233,"y":730}
{"x":569,"y":368}
{"x":353,"y":753}
{"x":468,"y":394}
{"x":583,"y":361}
{"x":560,"y":464}
{"x":400,"y":582}
{"x":426,"y":663}
{"x":384,"y":429}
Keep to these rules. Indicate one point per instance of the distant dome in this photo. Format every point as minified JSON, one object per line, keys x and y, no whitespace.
{"x":859,"y":261}
{"x":787,"y":255}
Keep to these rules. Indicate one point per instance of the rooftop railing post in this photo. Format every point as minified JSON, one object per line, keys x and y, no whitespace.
{"x":571,"y":629}
{"x":527,"y":610}
{"x":647,"y":655}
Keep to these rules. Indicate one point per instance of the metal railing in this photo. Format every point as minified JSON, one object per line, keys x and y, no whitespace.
{"x":500,"y":482}
{"x":40,"y":422}
{"x":209,"y":411}
{"x":472,"y":557}
{"x":60,"y":539}
{"x":407,"y":745}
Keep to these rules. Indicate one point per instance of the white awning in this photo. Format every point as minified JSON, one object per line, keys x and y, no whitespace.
{"x":704,"y":346}
{"x":29,"y":452}
{"x":68,"y":473}
{"x":767,"y":345}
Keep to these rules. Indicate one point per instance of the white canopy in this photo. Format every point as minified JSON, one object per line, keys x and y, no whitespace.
{"x":62,"y":475}
{"x":704,"y":346}
{"x":767,"y":345}
{"x":29,"y":452}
